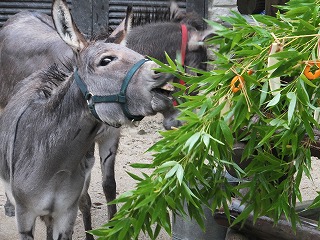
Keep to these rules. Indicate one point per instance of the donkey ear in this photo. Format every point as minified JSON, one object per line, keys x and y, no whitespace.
{"x":197,"y":38}
{"x":65,"y":26}
{"x":175,"y":11}
{"x":127,"y":24}
{"x":120,"y":33}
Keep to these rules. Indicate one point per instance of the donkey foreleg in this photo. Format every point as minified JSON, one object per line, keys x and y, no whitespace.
{"x":63,"y":223}
{"x":25,"y":223}
{"x":108,"y":145}
{"x":85,"y":200}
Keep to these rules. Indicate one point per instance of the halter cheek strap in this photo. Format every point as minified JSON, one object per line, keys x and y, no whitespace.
{"x":116,"y":98}
{"x":184,"y":43}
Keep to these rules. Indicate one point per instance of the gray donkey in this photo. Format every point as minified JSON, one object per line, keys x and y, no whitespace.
{"x":31,"y":39}
{"x":52,"y":119}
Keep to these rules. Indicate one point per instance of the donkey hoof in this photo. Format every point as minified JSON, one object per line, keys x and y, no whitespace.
{"x":9,"y":210}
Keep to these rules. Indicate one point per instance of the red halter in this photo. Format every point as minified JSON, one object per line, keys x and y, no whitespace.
{"x":184,"y":42}
{"x":183,"y":50}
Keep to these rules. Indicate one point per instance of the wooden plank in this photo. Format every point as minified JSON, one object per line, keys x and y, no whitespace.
{"x":10,"y":7}
{"x":199,"y":6}
{"x":100,"y":10}
{"x":82,"y":15}
{"x":264,"y":227}
{"x":270,"y":9}
{"x":251,"y":6}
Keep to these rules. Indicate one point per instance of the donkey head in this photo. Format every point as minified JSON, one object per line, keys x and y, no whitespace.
{"x":182,"y":16}
{"x":102,"y":67}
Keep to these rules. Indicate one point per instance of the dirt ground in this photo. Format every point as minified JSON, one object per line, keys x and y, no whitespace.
{"x":133,"y":144}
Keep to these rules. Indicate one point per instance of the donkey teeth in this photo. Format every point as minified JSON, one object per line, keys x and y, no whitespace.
{"x":168,"y":87}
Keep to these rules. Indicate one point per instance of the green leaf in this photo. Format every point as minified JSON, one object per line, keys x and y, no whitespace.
{"x":236,"y":40}
{"x":274,"y":100}
{"x":294,"y":12}
{"x":316,"y":202}
{"x":266,"y":138}
{"x":307,"y":124}
{"x":292,"y":105}
{"x":243,"y":215}
{"x":226,"y":133}
{"x":192,"y":141}
{"x":170,"y":201}
{"x":141,"y":165}
{"x":172,"y":171}
{"x":180,"y":174}
{"x":135,"y":177}
{"x":263,"y":94}
{"x":302,"y":93}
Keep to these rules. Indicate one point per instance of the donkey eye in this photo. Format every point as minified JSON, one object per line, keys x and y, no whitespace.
{"x":106,"y":60}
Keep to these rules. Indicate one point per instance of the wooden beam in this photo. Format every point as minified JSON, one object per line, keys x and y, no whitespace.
{"x":100,"y":10}
{"x":82,"y":15}
{"x":265,"y":229}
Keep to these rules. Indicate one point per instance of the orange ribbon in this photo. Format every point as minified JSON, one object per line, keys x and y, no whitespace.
{"x":310,"y":75}
{"x":240,"y":85}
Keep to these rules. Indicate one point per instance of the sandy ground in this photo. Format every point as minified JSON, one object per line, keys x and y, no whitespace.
{"x":134,"y":142}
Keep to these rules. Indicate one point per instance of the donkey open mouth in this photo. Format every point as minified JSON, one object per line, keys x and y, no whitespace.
{"x":162,"y":96}
{"x":165,"y":89}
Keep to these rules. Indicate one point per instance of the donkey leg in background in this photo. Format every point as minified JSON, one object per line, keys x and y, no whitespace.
{"x":85,"y":208}
{"x":48,"y":222}
{"x":107,"y":150}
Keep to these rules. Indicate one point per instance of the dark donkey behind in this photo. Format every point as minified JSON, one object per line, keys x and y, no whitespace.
{"x":36,"y":49}
{"x":46,"y":128}
{"x":167,"y":35}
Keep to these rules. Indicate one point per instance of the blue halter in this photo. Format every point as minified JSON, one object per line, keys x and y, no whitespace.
{"x":117,"y":98}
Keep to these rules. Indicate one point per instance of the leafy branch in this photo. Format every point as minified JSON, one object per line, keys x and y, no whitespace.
{"x":190,"y":162}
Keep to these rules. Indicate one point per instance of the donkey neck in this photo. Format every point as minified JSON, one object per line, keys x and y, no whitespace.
{"x":61,"y":131}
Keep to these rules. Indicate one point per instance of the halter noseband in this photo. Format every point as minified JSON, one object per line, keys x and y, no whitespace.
{"x":117,"y":98}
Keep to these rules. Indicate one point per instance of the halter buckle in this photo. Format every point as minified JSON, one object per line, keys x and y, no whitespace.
{"x":121,"y":98}
{"x":88,"y":97}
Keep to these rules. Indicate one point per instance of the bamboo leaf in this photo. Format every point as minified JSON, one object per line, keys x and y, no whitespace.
{"x":226,"y":133}
{"x":192,"y":141}
{"x":292,"y":105}
{"x":180,"y":174}
{"x":274,"y":100}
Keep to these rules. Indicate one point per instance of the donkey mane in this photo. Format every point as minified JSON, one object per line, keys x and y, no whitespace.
{"x":54,"y":87}
{"x":52,"y":78}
